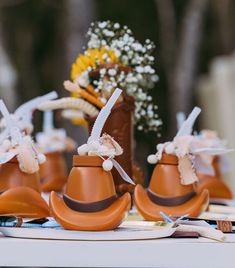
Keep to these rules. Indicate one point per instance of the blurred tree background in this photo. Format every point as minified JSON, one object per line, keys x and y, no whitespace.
{"x":39,"y":40}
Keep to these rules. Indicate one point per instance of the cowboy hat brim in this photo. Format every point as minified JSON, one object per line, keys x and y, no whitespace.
{"x":54,"y":183}
{"x":24,"y":202}
{"x":106,"y":219}
{"x":150,"y":211}
{"x":217,"y":188}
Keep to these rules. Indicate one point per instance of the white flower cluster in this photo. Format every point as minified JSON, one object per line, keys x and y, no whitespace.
{"x":133,"y":71}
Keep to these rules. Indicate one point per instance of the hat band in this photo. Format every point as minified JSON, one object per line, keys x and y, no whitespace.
{"x":169,"y":201}
{"x":88,"y":207}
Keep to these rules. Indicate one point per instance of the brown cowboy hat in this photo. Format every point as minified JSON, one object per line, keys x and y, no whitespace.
{"x":166,"y":194}
{"x":52,"y":172}
{"x":90,"y":202}
{"x":20,"y":192}
{"x":215,"y":184}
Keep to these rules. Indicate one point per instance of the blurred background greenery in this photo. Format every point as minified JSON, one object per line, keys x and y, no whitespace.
{"x":39,"y":40}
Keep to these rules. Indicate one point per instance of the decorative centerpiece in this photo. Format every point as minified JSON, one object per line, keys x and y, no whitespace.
{"x":90,"y":202}
{"x":19,"y":182}
{"x":172,"y":189}
{"x":53,"y":143}
{"x":114,"y":58}
{"x":212,"y":166}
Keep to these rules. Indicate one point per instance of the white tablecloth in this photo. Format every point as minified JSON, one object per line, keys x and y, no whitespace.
{"x":166,"y":252}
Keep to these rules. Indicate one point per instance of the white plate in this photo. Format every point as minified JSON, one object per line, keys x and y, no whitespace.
{"x":121,"y":233}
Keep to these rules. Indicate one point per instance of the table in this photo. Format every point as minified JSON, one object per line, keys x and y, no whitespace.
{"x":167,"y":252}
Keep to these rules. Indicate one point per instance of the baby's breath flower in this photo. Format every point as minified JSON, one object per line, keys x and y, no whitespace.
{"x":102,"y":71}
{"x":139,"y":69}
{"x":112,"y":72}
{"x":116,"y":25}
{"x":102,"y":24}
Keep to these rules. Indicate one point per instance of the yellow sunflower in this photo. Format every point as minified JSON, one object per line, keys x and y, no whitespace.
{"x":92,"y":58}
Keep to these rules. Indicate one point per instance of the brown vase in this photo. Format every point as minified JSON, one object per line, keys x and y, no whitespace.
{"x":90,"y":202}
{"x":119,"y":125}
{"x":53,"y":173}
{"x":12,"y":176}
